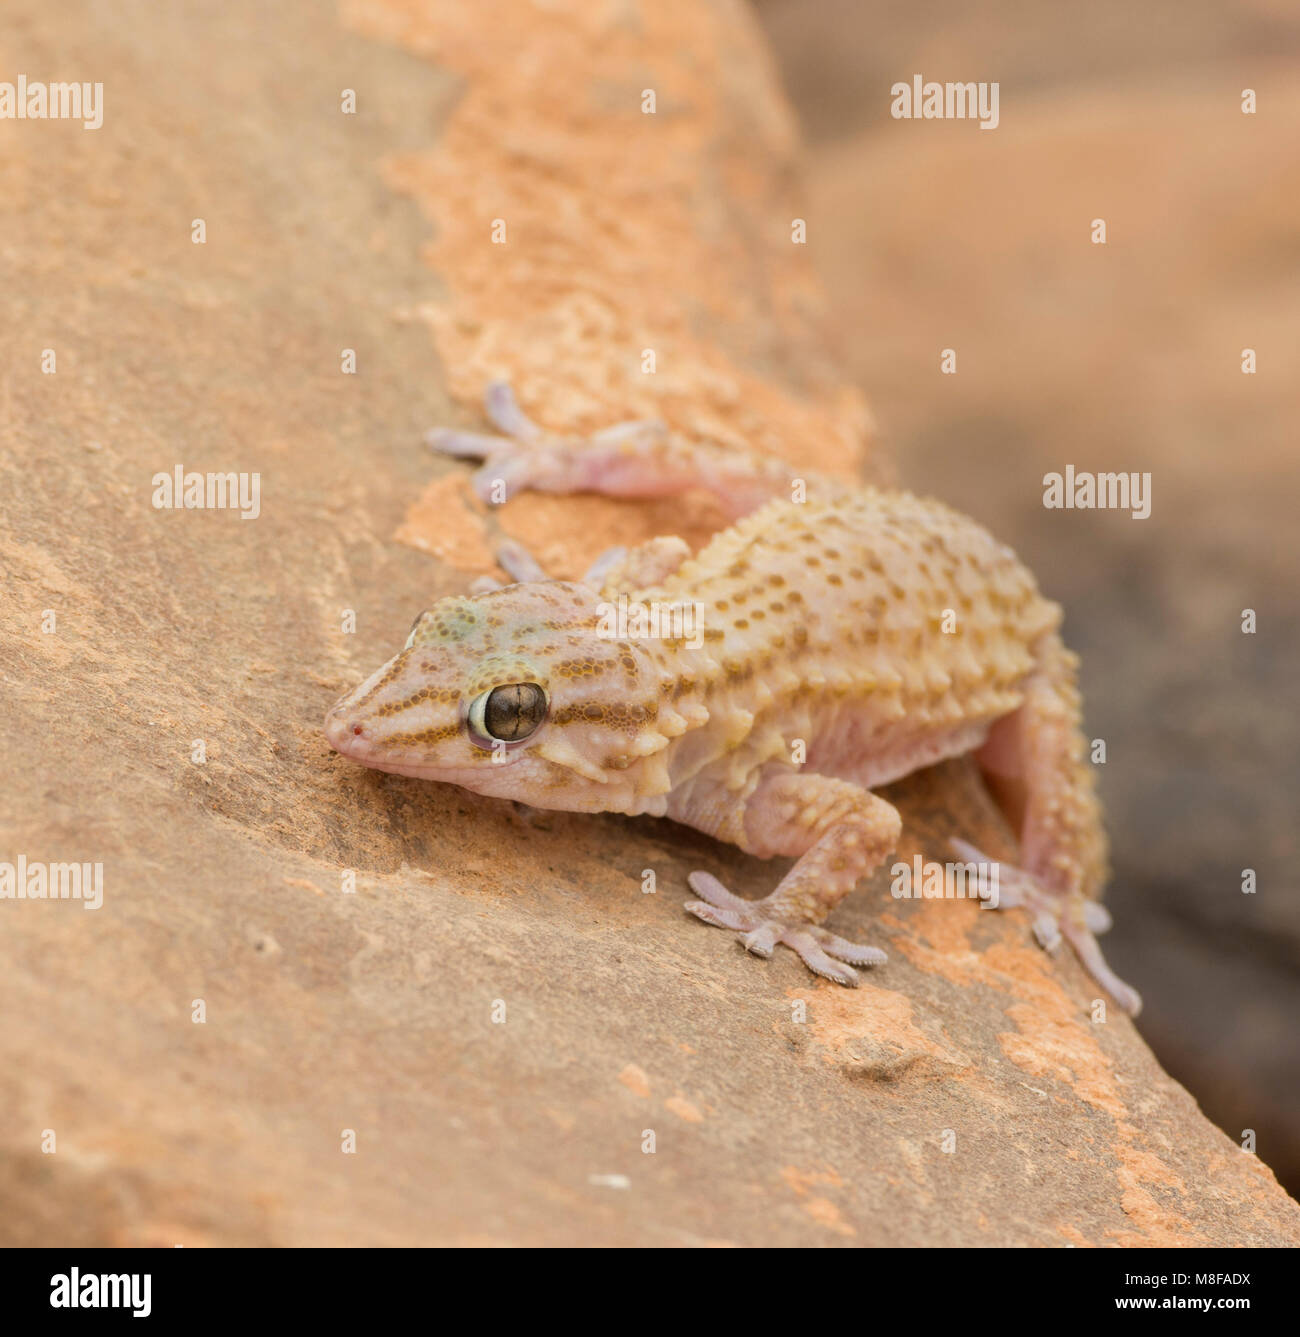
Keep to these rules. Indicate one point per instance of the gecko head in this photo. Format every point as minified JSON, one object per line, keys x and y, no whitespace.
{"x":514,"y":693}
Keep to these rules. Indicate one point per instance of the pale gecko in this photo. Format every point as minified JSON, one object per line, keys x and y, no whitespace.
{"x":847,"y":640}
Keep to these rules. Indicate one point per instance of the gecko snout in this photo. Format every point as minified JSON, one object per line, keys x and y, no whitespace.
{"x":346,"y":734}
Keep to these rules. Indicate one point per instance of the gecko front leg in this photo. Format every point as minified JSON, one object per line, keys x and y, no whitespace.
{"x":631,"y":459}
{"x":622,"y":570}
{"x":616,"y":570}
{"x":839,"y":831}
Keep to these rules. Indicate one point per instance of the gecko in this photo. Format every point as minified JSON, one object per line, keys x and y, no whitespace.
{"x":847,"y":637}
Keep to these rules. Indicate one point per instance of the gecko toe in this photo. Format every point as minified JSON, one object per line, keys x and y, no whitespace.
{"x":467,"y":445}
{"x":854,"y":953}
{"x":812,"y":955}
{"x":821,"y":951}
{"x":708,"y":888}
{"x":718,"y":918}
{"x":1059,"y":918}
{"x":1013,"y":888}
{"x":1089,"y":953}
{"x":503,"y":409}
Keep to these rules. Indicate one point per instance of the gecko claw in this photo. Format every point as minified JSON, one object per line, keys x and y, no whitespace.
{"x":823,"y":952}
{"x":1047,"y":930}
{"x":1096,"y":918}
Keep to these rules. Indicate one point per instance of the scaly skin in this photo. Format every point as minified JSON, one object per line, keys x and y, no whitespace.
{"x":845,"y":641}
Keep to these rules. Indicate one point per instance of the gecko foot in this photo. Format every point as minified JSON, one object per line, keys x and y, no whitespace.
{"x":1057,"y":918}
{"x":524,"y":456}
{"x":508,"y":458}
{"x":823,"y":952}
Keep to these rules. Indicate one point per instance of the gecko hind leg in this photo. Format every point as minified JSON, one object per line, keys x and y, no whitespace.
{"x":1036,"y":758}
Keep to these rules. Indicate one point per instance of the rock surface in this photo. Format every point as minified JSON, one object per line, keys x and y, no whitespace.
{"x":485,"y":997}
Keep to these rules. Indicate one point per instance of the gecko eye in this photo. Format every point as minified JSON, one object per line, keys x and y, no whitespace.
{"x":507,"y":714}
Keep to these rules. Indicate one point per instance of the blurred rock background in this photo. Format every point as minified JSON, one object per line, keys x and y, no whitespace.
{"x":1127,"y":356}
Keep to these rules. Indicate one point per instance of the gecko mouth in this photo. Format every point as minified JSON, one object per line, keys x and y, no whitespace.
{"x":348,"y":736}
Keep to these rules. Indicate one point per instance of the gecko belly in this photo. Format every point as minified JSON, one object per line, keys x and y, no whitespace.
{"x":859,"y":755}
